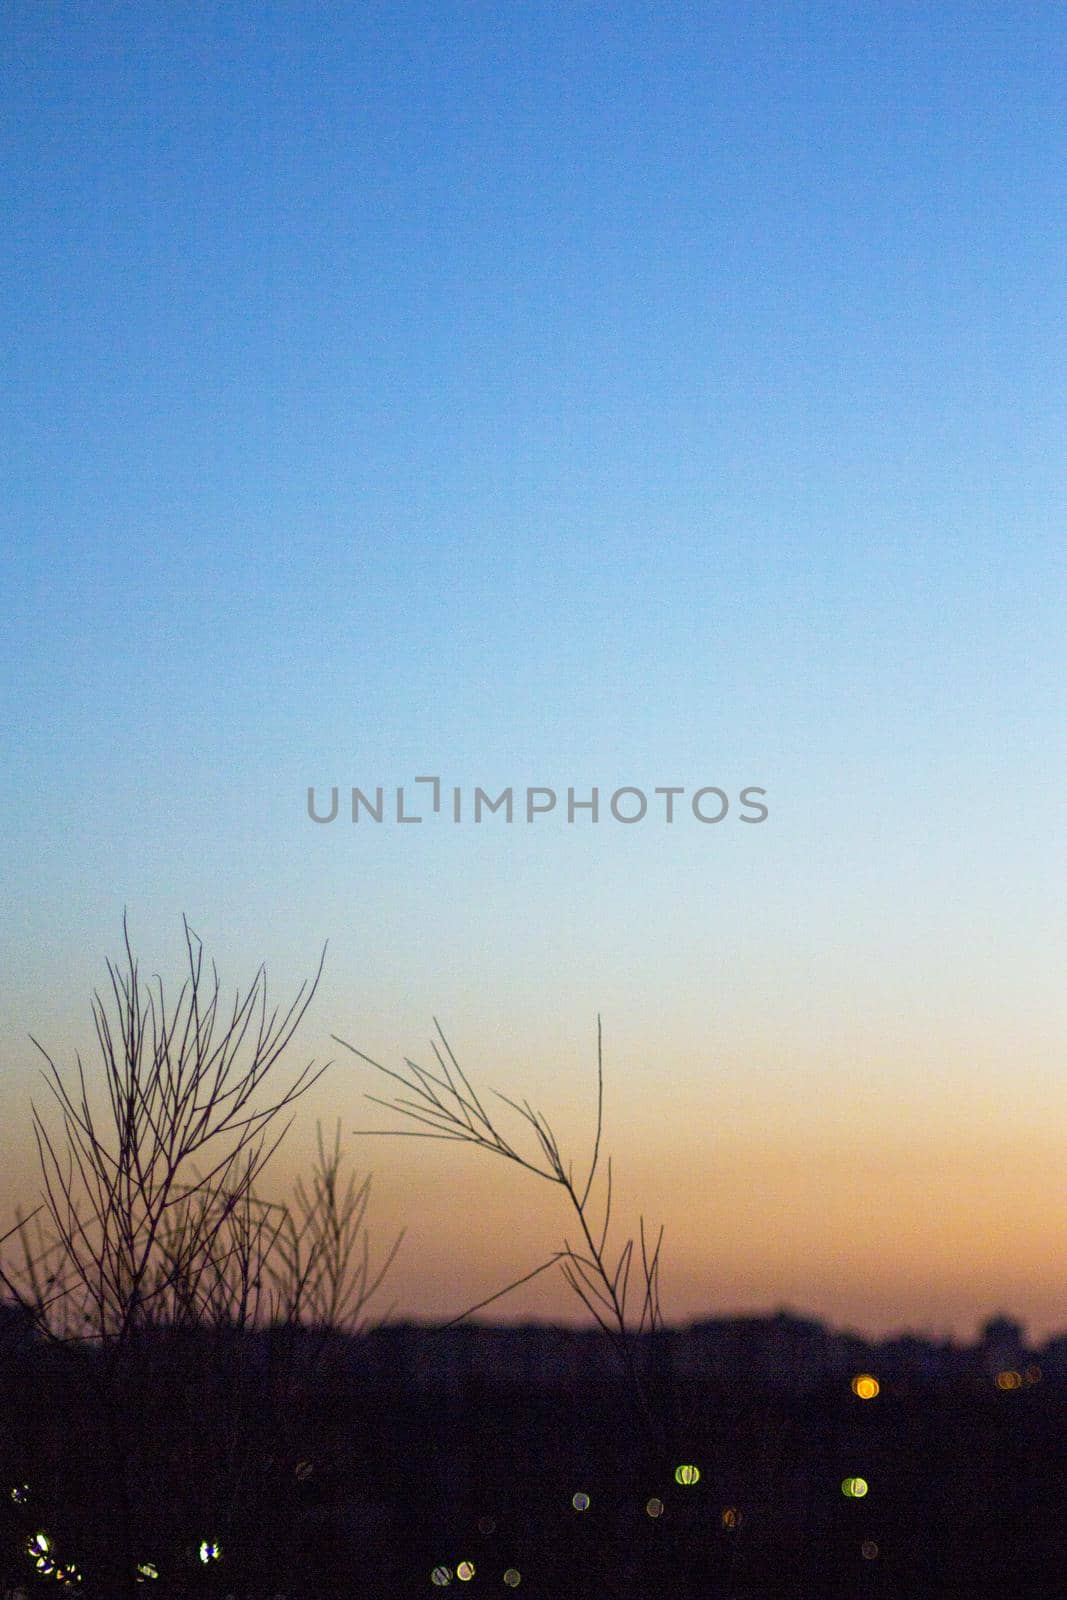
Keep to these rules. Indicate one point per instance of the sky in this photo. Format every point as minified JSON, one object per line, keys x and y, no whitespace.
{"x":563,"y":396}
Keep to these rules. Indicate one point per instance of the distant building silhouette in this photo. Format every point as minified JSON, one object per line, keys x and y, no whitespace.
{"x":1001,"y":1345}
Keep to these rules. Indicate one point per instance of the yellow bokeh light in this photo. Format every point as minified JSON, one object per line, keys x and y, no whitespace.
{"x":687,"y":1474}
{"x":854,"y":1488}
{"x":864,"y":1387}
{"x":465,"y":1571}
{"x":730,"y":1518}
{"x":1009,"y":1380}
{"x":654,"y":1507}
{"x":512,"y":1578}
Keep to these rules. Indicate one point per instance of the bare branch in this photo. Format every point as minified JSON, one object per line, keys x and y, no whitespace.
{"x":446,"y":1111}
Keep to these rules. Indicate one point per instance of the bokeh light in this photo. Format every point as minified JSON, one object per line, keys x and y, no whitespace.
{"x":512,"y":1577}
{"x":580,"y":1501}
{"x":465,"y":1571}
{"x":487,"y":1525}
{"x":655,"y":1507}
{"x":864,"y":1387}
{"x":854,"y":1488}
{"x":687,"y":1474}
{"x":731,"y":1518}
{"x":440,"y":1577}
{"x":869,"y":1550}
{"x":1009,"y":1380}
{"x":209,"y":1551}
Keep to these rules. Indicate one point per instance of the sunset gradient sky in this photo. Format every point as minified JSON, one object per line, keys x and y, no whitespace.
{"x":568,"y":395}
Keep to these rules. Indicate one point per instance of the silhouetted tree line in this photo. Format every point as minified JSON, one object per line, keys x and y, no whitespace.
{"x":351,"y":1488}
{"x":194,"y":1401}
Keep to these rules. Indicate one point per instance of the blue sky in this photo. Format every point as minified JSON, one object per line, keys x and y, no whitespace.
{"x":560,"y":394}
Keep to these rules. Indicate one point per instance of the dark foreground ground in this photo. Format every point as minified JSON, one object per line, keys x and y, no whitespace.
{"x":303,"y":1473}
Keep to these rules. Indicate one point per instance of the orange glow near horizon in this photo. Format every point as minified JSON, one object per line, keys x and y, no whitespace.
{"x":772,"y":1194}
